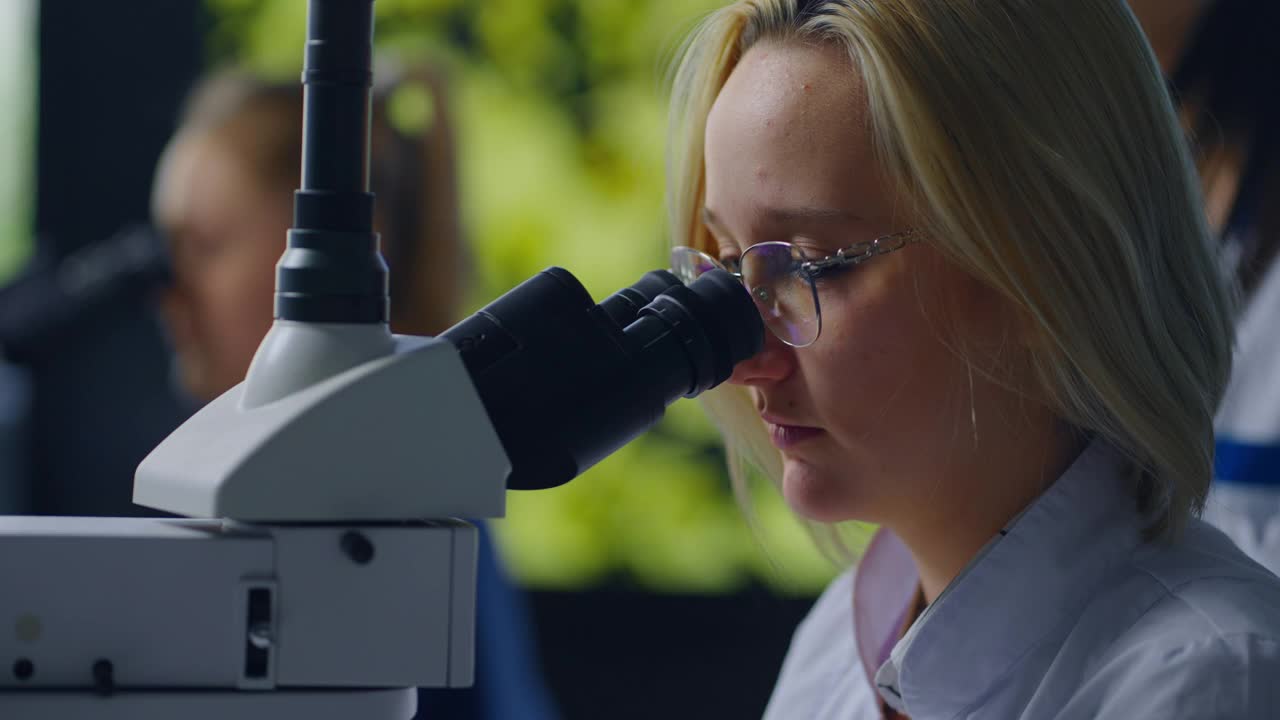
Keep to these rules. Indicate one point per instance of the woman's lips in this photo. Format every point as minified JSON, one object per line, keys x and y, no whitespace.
{"x":787,"y":436}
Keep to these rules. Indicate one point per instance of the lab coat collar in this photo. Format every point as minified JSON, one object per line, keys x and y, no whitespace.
{"x":1037,"y":574}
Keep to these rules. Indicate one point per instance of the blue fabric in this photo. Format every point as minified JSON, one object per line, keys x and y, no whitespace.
{"x":1247,"y":463}
{"x":15,"y":394}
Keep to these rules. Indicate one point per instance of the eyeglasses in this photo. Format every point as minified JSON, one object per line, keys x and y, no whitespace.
{"x":781,"y":279}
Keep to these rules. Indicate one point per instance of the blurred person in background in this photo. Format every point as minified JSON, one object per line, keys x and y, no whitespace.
{"x":223,"y":197}
{"x":1223,"y":63}
{"x":996,"y":329}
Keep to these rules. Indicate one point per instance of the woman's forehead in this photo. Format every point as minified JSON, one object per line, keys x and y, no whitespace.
{"x":171,"y":196}
{"x":789,"y":130}
{"x":798,"y":74}
{"x":200,"y":176}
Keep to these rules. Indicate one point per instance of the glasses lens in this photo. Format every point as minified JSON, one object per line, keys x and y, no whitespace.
{"x":687,"y":263}
{"x":771,"y":272}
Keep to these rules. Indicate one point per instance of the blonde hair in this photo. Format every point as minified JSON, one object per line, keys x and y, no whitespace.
{"x":1037,"y":144}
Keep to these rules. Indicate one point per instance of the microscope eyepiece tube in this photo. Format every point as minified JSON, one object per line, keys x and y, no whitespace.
{"x":624,"y":306}
{"x":332,"y":270}
{"x":566,"y":382}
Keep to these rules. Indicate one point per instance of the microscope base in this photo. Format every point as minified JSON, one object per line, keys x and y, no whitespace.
{"x":394,"y":704}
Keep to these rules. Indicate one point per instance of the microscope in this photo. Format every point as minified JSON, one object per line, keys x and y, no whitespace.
{"x":319,"y":568}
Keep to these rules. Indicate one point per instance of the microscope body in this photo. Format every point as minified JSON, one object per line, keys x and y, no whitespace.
{"x":325,"y":574}
{"x":330,"y":586}
{"x":149,"y":618}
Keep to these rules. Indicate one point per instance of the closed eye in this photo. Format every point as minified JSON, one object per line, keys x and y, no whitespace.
{"x":732,"y":263}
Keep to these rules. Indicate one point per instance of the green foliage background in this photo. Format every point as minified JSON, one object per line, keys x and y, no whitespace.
{"x":17,"y":132}
{"x":560,"y":113}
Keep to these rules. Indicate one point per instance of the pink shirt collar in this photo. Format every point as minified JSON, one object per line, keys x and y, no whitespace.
{"x":884,"y":589}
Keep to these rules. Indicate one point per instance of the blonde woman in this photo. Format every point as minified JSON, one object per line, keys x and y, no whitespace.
{"x":999,"y":332}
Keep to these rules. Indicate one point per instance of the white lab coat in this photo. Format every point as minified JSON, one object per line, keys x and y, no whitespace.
{"x":1245,"y":499}
{"x":1068,"y":614}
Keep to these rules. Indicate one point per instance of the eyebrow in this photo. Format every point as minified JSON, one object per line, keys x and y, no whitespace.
{"x":710,"y":220}
{"x":789,"y":215}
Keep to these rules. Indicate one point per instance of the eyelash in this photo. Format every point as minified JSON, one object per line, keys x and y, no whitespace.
{"x":831,"y":273}
{"x":819,"y":281}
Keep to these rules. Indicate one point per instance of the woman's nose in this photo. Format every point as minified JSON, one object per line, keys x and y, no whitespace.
{"x":775,"y":361}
